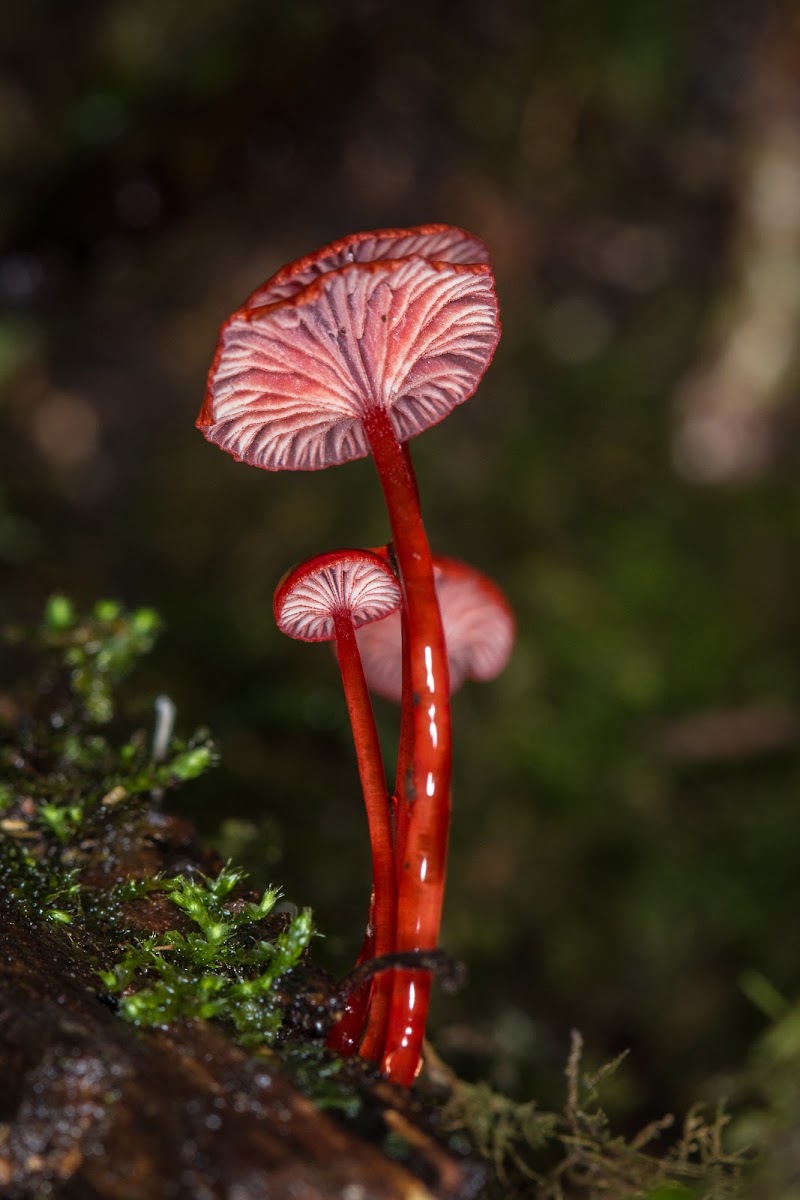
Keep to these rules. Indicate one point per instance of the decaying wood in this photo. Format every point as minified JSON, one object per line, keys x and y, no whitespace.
{"x":91,"y":1107}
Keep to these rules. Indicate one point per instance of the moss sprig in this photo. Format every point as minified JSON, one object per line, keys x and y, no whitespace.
{"x":557,"y":1156}
{"x":98,"y":651}
{"x":46,"y":893}
{"x":60,"y":766}
{"x":224,"y":968}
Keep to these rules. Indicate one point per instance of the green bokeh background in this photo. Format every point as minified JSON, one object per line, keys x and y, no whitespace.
{"x":159,"y":159}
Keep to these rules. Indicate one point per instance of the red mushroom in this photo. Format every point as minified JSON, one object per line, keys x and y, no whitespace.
{"x":327,"y":363}
{"x":478,"y":631}
{"x":327,"y":598}
{"x":479,"y":634}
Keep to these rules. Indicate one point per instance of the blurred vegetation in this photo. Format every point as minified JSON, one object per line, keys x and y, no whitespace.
{"x":624,"y":849}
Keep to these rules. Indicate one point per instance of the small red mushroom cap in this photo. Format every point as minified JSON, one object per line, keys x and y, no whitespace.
{"x":356,"y":583}
{"x":478,"y":626}
{"x":301,"y":365}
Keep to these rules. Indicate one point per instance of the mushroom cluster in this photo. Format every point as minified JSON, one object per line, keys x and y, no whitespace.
{"x":347,"y":352}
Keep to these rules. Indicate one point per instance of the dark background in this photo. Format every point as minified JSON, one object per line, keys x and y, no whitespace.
{"x":625,"y":844}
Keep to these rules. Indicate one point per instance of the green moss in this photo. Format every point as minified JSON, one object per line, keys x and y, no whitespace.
{"x":60,"y":768}
{"x":225,"y":969}
{"x":76,"y":803}
{"x":43,"y":892}
{"x":325,"y":1079}
{"x":62,"y":820}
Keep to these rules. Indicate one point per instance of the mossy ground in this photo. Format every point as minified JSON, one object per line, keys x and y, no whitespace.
{"x":182,"y":939}
{"x":81,"y":811}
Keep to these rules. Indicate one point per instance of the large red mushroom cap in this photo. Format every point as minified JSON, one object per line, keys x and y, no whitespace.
{"x":294,"y":378}
{"x":356,"y":583}
{"x":478,"y":627}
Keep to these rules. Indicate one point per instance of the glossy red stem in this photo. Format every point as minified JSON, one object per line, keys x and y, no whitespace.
{"x":373,"y":785}
{"x":376,"y":1035}
{"x":423,"y":788}
{"x":406,"y":745}
{"x":345,"y":1036}
{"x":405,"y":751}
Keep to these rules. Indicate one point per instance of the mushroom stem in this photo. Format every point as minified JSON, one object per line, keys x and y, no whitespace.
{"x":405,"y":749}
{"x":373,"y":783}
{"x":423,"y":785}
{"x":345,"y":1036}
{"x":324,"y":599}
{"x":379,"y":938}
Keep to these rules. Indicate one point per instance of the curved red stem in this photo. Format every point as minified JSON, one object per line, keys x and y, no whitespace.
{"x":423,"y":784}
{"x":345,"y":1036}
{"x":373,"y":785}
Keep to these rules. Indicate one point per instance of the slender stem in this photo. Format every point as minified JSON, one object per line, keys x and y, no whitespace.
{"x":345,"y":1036}
{"x":379,"y":938}
{"x":423,"y":786}
{"x":405,"y":753}
{"x":373,"y":783}
{"x":379,"y":1000}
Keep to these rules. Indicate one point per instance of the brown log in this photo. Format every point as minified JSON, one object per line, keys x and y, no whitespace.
{"x":92,"y":1108}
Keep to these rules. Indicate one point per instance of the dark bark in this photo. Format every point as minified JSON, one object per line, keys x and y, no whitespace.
{"x":92,"y":1107}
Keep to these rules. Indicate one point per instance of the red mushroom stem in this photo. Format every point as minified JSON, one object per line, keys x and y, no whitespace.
{"x":376,"y":1032}
{"x":373,"y":784}
{"x":322,"y":599}
{"x":479,"y":633}
{"x":379,"y":937}
{"x":423,"y":788}
{"x":346,"y":1035}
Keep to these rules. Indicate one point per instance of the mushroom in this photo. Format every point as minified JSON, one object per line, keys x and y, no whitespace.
{"x":478,"y":631}
{"x":352,"y":350}
{"x":326,"y":598}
